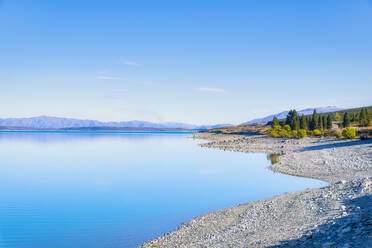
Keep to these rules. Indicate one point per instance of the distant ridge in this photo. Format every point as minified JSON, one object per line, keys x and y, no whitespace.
{"x":50,"y":122}
{"x":306,"y":111}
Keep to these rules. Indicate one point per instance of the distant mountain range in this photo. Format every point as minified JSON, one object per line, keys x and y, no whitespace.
{"x":49,"y":122}
{"x":283,"y":114}
{"x":59,"y":123}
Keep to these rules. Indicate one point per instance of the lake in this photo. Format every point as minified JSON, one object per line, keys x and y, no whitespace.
{"x":120,"y":189}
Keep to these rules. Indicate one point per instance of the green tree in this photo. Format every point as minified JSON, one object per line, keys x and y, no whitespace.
{"x":353,"y":117}
{"x":336,"y":117}
{"x":329,"y":122}
{"x":324,"y":118}
{"x":349,"y":133}
{"x":275,"y":122}
{"x":296,"y":123}
{"x":308,"y":122}
{"x":314,"y":121}
{"x":364,"y":117}
{"x":291,"y":119}
{"x":346,"y":121}
{"x":303,"y":122}
{"x":368,"y":119}
{"x":320,"y":122}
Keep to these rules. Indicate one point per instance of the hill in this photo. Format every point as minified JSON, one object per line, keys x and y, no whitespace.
{"x":261,"y":125}
{"x":283,"y":115}
{"x":354,"y":110}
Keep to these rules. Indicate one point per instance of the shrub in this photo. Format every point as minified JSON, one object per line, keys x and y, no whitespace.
{"x":316,"y":132}
{"x":349,"y":133}
{"x":287,"y":128}
{"x":294,"y":133}
{"x":285,"y":133}
{"x":338,"y":134}
{"x":274,"y":131}
{"x":301,"y":133}
{"x":277,"y":127}
{"x":273,"y":158}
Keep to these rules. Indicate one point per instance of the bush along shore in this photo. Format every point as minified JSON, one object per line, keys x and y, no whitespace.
{"x":338,"y":215}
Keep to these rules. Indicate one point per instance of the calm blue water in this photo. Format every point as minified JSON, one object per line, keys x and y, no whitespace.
{"x":119,"y":190}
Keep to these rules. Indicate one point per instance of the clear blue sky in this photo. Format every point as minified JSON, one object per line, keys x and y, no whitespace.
{"x":191,"y":61}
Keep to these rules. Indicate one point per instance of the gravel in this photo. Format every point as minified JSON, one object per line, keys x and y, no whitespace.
{"x":338,"y":215}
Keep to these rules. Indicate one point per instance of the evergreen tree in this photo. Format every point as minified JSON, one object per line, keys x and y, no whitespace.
{"x":364,"y":117}
{"x":336,"y":117}
{"x":368,"y":119}
{"x":293,"y":120}
{"x":292,"y":114}
{"x":289,"y":117}
{"x":303,"y":122}
{"x":346,"y":121}
{"x":361,"y":116}
{"x":352,"y":119}
{"x":275,"y":122}
{"x":314,"y":121}
{"x":324,"y":118}
{"x":320,"y":122}
{"x":296,"y":123}
{"x":329,"y":122}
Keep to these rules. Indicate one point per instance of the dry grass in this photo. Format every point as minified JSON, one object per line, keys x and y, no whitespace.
{"x":259,"y":128}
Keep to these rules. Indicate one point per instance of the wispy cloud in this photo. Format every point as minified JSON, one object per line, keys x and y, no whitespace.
{"x":130,"y":63}
{"x":103,"y":72}
{"x":215,"y":90}
{"x":117,"y":94}
{"x":109,"y":78}
{"x":119,"y":90}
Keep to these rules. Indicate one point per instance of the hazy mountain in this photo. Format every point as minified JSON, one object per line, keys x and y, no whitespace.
{"x":48,"y":122}
{"x":283,"y":114}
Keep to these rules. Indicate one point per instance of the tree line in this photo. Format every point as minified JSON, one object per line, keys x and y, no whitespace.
{"x":310,"y":122}
{"x":323,"y":121}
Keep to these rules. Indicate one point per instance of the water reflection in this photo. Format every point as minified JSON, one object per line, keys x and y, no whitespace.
{"x":119,"y":190}
{"x":62,"y":137}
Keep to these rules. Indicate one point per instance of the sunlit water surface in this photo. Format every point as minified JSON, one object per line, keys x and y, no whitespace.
{"x":119,"y":190}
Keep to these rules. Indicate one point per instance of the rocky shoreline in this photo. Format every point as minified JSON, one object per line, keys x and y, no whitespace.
{"x":338,"y":215}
